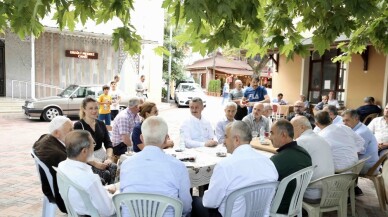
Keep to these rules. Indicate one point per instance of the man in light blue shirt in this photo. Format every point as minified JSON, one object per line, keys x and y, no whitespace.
{"x":153,"y":171}
{"x":230,"y":112}
{"x":350,"y":118}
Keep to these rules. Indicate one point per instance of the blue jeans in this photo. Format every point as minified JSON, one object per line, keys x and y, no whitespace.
{"x":105,"y":118}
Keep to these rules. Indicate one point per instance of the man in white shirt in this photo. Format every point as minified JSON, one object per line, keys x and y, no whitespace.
{"x":243,"y":168}
{"x":379,"y":127}
{"x":256,"y":120}
{"x":141,"y":88}
{"x":116,"y":98}
{"x":345,"y":144}
{"x":230,"y":111}
{"x":153,"y":171}
{"x":80,"y":147}
{"x":319,"y":151}
{"x":333,"y":113}
{"x":332,"y":100}
{"x":198,"y":132}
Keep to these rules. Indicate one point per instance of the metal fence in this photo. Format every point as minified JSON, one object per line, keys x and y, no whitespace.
{"x":22,"y":89}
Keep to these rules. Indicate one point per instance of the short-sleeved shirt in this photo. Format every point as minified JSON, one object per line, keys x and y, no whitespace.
{"x":379,"y":128}
{"x":105,"y":108}
{"x":124,"y":123}
{"x":255,"y":95}
{"x":236,"y":94}
{"x":115,"y":96}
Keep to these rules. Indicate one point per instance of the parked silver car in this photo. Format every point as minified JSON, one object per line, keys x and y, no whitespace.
{"x":66,"y":103}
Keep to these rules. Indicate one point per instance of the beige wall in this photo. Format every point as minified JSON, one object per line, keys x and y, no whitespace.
{"x":361,"y":84}
{"x":288,"y":79}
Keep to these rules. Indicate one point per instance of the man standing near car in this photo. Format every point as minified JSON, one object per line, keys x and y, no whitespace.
{"x":235,"y":96}
{"x":141,"y":88}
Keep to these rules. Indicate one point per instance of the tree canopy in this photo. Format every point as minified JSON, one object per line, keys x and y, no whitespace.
{"x":267,"y":25}
{"x":256,"y":25}
{"x":24,"y":17}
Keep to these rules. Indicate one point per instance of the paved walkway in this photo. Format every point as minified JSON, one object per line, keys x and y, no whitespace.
{"x":20,"y":191}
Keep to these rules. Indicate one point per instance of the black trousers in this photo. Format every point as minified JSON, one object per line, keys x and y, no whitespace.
{"x":120,"y":149}
{"x":113,"y":114}
{"x":198,"y":210}
{"x":241,"y":113}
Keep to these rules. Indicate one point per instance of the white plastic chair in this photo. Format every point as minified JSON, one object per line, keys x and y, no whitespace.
{"x":49,"y":208}
{"x":64,"y":185}
{"x":334,"y":195}
{"x":146,"y":205}
{"x":258,"y":199}
{"x":302,"y":178}
{"x":356,"y":169}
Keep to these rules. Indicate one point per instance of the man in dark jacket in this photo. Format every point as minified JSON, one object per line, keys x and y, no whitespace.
{"x":51,"y":150}
{"x":368,"y":108}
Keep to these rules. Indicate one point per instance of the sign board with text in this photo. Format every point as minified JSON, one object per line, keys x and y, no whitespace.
{"x":81,"y":54}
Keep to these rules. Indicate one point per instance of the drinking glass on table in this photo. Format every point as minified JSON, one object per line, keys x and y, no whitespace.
{"x":130,"y":150}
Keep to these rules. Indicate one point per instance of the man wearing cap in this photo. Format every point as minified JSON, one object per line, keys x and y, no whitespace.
{"x":123,"y":126}
{"x":51,"y":150}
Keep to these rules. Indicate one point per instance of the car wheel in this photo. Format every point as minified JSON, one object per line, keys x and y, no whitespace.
{"x":50,"y":113}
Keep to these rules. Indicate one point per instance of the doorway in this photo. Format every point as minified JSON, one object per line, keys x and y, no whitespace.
{"x":2,"y":68}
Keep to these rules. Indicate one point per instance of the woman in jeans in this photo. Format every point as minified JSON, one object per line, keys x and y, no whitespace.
{"x":102,"y":162}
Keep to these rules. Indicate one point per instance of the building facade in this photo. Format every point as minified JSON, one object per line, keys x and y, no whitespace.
{"x":314,"y":76}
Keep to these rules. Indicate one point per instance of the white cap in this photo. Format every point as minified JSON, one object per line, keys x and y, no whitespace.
{"x":57,"y":123}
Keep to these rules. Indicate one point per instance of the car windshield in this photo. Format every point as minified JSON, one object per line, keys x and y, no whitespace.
{"x":68,"y":91}
{"x":190,"y":88}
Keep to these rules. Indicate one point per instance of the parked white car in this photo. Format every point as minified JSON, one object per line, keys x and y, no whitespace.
{"x":186,"y":91}
{"x":66,"y":103}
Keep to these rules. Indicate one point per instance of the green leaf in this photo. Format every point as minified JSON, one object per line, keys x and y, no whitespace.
{"x":320,"y":44}
{"x":160,"y":51}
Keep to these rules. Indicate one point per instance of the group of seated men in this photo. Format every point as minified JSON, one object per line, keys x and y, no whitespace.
{"x":334,"y":147}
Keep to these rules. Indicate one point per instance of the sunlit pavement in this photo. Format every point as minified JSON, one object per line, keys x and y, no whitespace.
{"x":20,"y":190}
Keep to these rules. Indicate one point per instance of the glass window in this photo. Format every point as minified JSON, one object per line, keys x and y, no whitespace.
{"x":316,"y":77}
{"x":326,"y":76}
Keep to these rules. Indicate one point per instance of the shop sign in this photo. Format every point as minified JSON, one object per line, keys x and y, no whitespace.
{"x":81,"y":54}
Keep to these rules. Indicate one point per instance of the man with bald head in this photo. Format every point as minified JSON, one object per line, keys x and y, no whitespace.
{"x":51,"y":150}
{"x":235,"y":96}
{"x":153,"y":171}
{"x":318,"y":149}
{"x":300,"y":110}
{"x":256,"y":120}
{"x":243,"y":168}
